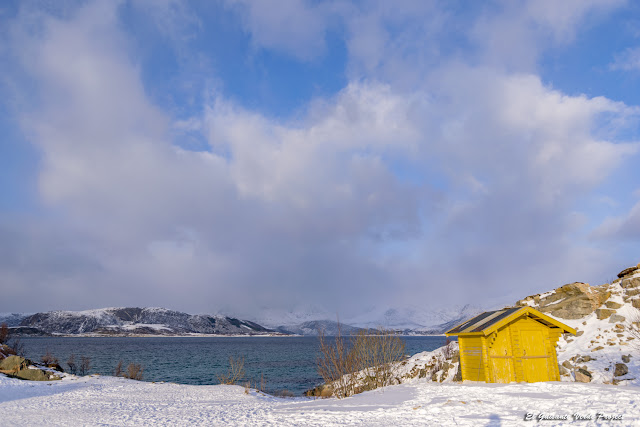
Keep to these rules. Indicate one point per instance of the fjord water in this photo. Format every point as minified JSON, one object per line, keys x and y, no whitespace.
{"x":287,"y":363}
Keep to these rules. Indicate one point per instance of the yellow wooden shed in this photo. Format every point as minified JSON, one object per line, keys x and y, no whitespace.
{"x":512,"y":344}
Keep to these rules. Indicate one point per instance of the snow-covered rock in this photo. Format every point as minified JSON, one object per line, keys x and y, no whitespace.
{"x":606,"y":320}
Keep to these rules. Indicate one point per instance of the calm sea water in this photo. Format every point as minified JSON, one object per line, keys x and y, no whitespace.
{"x":287,"y":363}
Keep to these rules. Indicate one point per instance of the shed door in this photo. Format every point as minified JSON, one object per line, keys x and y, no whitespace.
{"x":535,"y":360}
{"x":501,"y":358}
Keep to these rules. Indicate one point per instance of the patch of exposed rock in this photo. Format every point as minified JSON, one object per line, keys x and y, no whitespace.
{"x":19,"y":367}
{"x":629,"y":271}
{"x":572,"y":301}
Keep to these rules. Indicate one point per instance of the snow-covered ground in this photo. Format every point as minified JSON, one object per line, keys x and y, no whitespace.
{"x":97,"y":400}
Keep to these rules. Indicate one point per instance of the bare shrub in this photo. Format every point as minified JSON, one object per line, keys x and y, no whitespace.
{"x":71,"y":363}
{"x":284,"y":393}
{"x":49,"y":359}
{"x":4,"y":333}
{"x":134,"y":371}
{"x":235,"y":372}
{"x":336,"y":364}
{"x":448,"y":349}
{"x":85,"y":365}
{"x":376,"y":357}
{"x":367,"y":361}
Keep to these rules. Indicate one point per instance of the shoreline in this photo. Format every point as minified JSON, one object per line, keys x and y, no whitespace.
{"x":194,"y":336}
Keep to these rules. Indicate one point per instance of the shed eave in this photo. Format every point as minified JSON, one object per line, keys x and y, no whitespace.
{"x":533,"y":313}
{"x":464,"y":334}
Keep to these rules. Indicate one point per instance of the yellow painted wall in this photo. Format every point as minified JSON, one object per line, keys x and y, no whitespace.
{"x":524,"y":350}
{"x":501,"y":363}
{"x":471,"y":357}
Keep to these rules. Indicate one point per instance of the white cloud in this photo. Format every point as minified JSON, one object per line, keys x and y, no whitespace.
{"x":624,"y":227}
{"x":295,"y":27}
{"x":627,"y":60}
{"x":318,"y":208}
{"x":514,"y":35}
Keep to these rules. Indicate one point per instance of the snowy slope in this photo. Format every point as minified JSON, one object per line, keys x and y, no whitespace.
{"x":99,"y":400}
{"x":603,"y":343}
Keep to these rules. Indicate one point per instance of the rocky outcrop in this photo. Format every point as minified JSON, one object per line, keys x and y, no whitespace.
{"x":628,"y":271}
{"x":606,"y":328}
{"x":19,"y":367}
{"x":572,"y":301}
{"x":14,"y":363}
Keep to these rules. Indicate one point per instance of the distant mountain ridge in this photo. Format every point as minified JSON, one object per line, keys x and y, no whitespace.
{"x":130,"y":321}
{"x":312,"y":327}
{"x":161,"y":321}
{"x":412,"y":320}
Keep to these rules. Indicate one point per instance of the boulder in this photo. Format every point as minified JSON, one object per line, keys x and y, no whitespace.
{"x":636,"y":303}
{"x":630,"y":283}
{"x":35,"y":375}
{"x":621,"y":370}
{"x":603,"y":313}
{"x":632,"y":292}
{"x":612,"y":304}
{"x":626,"y":358}
{"x":567,"y":364}
{"x":19,"y":367}
{"x":615,"y":318}
{"x":627,"y":271}
{"x":582,"y":375}
{"x":563,"y":370}
{"x":14,"y":363}
{"x":571,"y":301}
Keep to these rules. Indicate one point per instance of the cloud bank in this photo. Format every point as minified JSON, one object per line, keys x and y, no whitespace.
{"x":441,"y":173}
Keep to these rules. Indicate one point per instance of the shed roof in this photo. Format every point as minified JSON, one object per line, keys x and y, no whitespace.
{"x":489,"y":321}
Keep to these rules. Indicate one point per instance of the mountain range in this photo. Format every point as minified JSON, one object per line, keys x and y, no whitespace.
{"x":161,"y":321}
{"x":128,"y":321}
{"x":408,"y":320}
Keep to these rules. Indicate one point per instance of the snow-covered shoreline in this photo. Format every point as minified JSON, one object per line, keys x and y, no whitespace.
{"x":101,"y":400}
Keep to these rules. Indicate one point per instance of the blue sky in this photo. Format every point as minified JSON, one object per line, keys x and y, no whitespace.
{"x":238,"y":155}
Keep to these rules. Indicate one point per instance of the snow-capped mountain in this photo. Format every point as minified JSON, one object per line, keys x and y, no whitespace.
{"x":408,"y":320}
{"x":134,"y":320}
{"x":12,"y":319}
{"x":414,"y":318}
{"x":313,"y":327}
